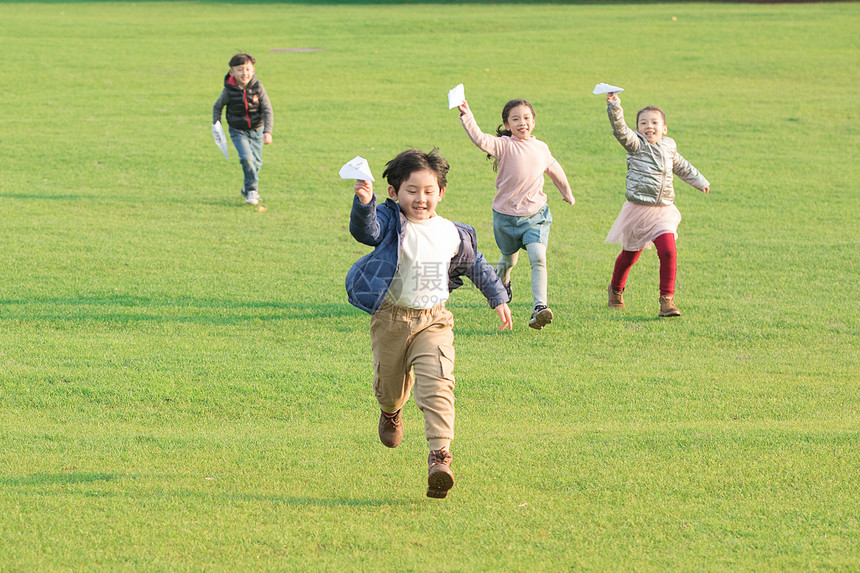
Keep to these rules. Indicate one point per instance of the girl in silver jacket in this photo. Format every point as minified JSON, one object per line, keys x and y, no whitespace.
{"x":649,"y":216}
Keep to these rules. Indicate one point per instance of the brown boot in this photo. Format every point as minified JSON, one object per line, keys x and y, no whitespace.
{"x":439,"y":476}
{"x":616,"y":298}
{"x":391,"y":428}
{"x":667,"y":306}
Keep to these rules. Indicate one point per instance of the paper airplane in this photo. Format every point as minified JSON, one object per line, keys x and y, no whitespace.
{"x":605,"y":89}
{"x":356,"y":168}
{"x":220,"y":140}
{"x":456,"y":96}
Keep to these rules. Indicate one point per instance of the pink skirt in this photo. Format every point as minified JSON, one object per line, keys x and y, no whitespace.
{"x":638,"y":225}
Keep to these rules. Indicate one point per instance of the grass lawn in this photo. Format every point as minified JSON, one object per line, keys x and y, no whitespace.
{"x":183,"y":385}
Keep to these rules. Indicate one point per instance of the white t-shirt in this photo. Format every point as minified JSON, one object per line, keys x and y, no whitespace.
{"x":421,"y":281}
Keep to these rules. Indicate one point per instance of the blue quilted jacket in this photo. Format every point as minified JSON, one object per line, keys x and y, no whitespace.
{"x":370,"y":277}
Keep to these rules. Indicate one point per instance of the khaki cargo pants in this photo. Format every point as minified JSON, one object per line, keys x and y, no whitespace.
{"x":415,"y":348}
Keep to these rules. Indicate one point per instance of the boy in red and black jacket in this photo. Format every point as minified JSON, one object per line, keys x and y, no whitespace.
{"x":249,"y":117}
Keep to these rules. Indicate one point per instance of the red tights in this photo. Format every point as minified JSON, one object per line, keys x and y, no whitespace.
{"x":668,"y":265}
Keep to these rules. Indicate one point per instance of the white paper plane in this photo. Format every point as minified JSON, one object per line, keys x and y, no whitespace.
{"x":456,"y":96}
{"x":605,"y":89}
{"x":220,"y":140}
{"x":356,"y":168}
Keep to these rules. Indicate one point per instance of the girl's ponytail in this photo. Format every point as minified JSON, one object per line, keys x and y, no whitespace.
{"x":500,"y":131}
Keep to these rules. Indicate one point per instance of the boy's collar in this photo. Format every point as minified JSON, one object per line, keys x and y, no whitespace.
{"x":232,"y":81}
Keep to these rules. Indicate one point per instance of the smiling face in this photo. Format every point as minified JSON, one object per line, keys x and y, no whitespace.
{"x":520,"y":121}
{"x":418,"y":195}
{"x":242,"y":73}
{"x":652,"y":125}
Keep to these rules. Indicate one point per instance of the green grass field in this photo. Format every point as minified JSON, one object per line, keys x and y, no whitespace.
{"x":184,"y":387}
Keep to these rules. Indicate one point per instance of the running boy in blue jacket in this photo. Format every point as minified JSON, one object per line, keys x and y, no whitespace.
{"x":418,"y":258}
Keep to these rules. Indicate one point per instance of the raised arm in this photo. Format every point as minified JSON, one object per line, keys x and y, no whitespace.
{"x":485,"y":142}
{"x":625,"y":136}
{"x":363,"y":221}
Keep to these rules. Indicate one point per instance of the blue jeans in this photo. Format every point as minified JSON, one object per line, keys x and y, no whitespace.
{"x":249,"y":146}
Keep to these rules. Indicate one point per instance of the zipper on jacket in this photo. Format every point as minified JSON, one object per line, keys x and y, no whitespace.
{"x":247,"y":115}
{"x":664,"y":182}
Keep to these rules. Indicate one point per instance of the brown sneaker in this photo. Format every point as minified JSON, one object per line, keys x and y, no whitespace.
{"x":667,"y":307}
{"x":391,"y":428}
{"x":540,"y":317}
{"x":616,"y":298}
{"x":439,"y":476}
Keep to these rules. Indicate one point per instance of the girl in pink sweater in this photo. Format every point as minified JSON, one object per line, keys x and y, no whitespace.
{"x":521,"y":217}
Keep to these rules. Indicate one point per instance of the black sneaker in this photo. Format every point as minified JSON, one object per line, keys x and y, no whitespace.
{"x":391,"y":428}
{"x":540,"y":317}
{"x":440,"y":478}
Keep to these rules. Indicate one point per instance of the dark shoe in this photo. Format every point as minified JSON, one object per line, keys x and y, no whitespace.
{"x":391,"y":429}
{"x":616,"y":298}
{"x":667,"y":307}
{"x":540,"y":317}
{"x":509,"y":291}
{"x":439,"y":476}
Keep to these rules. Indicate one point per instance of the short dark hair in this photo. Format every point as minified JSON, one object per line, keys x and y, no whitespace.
{"x":650,"y":108}
{"x":242,"y":59}
{"x":408,"y":162}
